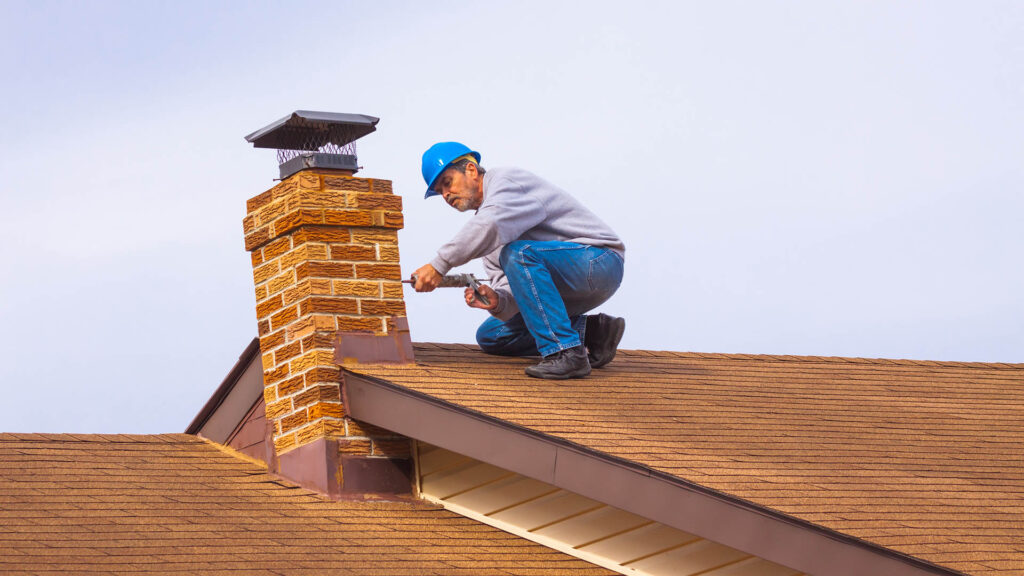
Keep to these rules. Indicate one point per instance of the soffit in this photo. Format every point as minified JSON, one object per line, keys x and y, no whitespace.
{"x":922,"y":458}
{"x":580,"y":526}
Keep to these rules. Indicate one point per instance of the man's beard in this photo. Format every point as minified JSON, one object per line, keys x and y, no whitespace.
{"x":464,"y":204}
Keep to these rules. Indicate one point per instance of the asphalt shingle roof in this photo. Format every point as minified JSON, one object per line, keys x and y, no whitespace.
{"x":177,"y":504}
{"x":925,"y":458}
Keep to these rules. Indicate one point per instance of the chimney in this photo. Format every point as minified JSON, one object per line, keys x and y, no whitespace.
{"x":324,"y":247}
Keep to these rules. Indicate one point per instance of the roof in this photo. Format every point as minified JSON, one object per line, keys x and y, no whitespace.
{"x":919,"y":458}
{"x":174,"y":503}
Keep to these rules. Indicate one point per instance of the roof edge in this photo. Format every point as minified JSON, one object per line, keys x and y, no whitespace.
{"x":781,"y":357}
{"x":638,"y":489}
{"x":225,"y":387}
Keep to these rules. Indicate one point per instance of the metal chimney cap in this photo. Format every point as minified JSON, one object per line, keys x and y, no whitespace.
{"x":309,"y":130}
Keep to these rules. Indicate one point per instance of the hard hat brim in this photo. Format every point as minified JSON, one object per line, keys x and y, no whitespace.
{"x":430,"y":188}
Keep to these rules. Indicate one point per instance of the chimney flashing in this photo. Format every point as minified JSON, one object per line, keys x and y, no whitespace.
{"x":392,"y":347}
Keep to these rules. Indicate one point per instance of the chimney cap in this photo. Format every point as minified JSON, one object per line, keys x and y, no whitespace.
{"x":310,"y":130}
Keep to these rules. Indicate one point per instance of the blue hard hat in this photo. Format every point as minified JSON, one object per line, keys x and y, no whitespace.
{"x":438,"y":157}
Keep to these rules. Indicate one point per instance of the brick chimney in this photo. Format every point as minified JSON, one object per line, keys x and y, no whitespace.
{"x":324,"y":247}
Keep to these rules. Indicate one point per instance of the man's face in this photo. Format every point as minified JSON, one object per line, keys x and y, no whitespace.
{"x":461,"y":191}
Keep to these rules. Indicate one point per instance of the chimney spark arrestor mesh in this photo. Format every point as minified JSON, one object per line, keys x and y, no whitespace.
{"x":308,"y":139}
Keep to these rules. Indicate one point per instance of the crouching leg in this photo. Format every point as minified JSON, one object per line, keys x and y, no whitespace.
{"x":510,"y":338}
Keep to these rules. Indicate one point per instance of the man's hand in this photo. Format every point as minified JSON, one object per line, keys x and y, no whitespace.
{"x":473,"y":302}
{"x":426,"y":279}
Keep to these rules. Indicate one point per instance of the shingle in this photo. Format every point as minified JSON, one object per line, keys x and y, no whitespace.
{"x":917,"y":456}
{"x":176,"y":504}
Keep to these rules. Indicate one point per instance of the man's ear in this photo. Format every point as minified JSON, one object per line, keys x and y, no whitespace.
{"x":472,"y":166}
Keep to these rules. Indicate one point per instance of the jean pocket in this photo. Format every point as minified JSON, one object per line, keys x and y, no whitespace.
{"x":605,"y":272}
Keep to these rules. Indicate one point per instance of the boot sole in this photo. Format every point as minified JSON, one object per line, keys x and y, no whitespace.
{"x":567,"y":376}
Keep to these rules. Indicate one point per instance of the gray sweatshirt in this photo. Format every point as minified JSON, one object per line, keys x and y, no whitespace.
{"x":519,"y":205}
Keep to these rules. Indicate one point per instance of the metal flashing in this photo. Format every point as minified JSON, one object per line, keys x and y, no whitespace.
{"x":254,"y":435}
{"x":320,"y":466}
{"x":393,"y":347}
{"x":375,"y":476}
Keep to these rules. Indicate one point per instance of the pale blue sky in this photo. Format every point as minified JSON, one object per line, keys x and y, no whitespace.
{"x":824,"y":178}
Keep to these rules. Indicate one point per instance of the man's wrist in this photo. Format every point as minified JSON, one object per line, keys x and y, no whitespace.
{"x":440,"y":266}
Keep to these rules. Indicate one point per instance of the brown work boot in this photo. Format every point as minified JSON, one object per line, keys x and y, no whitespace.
{"x":602,"y":338}
{"x":568,"y":363}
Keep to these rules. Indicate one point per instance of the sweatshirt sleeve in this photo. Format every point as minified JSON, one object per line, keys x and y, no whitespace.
{"x":506,"y":213}
{"x":507,"y":307}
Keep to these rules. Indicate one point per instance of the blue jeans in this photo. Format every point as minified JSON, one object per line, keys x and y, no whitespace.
{"x":553,"y":284}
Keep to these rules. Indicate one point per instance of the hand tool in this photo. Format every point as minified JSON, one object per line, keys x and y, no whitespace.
{"x":458,"y":281}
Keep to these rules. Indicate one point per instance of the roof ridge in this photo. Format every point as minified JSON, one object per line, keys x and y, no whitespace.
{"x":837,"y":359}
{"x":777,"y":357}
{"x":80,"y":437}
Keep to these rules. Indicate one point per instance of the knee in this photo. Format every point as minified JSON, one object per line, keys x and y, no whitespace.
{"x":514,"y":253}
{"x":487,"y":335}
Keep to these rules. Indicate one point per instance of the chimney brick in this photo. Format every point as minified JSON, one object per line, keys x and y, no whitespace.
{"x":324,"y":250}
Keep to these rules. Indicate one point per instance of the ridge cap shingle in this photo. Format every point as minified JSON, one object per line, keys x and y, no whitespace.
{"x":773,"y":357}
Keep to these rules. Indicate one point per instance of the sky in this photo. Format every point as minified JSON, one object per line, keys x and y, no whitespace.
{"x":801,"y":177}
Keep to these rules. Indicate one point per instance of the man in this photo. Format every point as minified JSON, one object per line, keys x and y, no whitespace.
{"x":550,"y":260}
